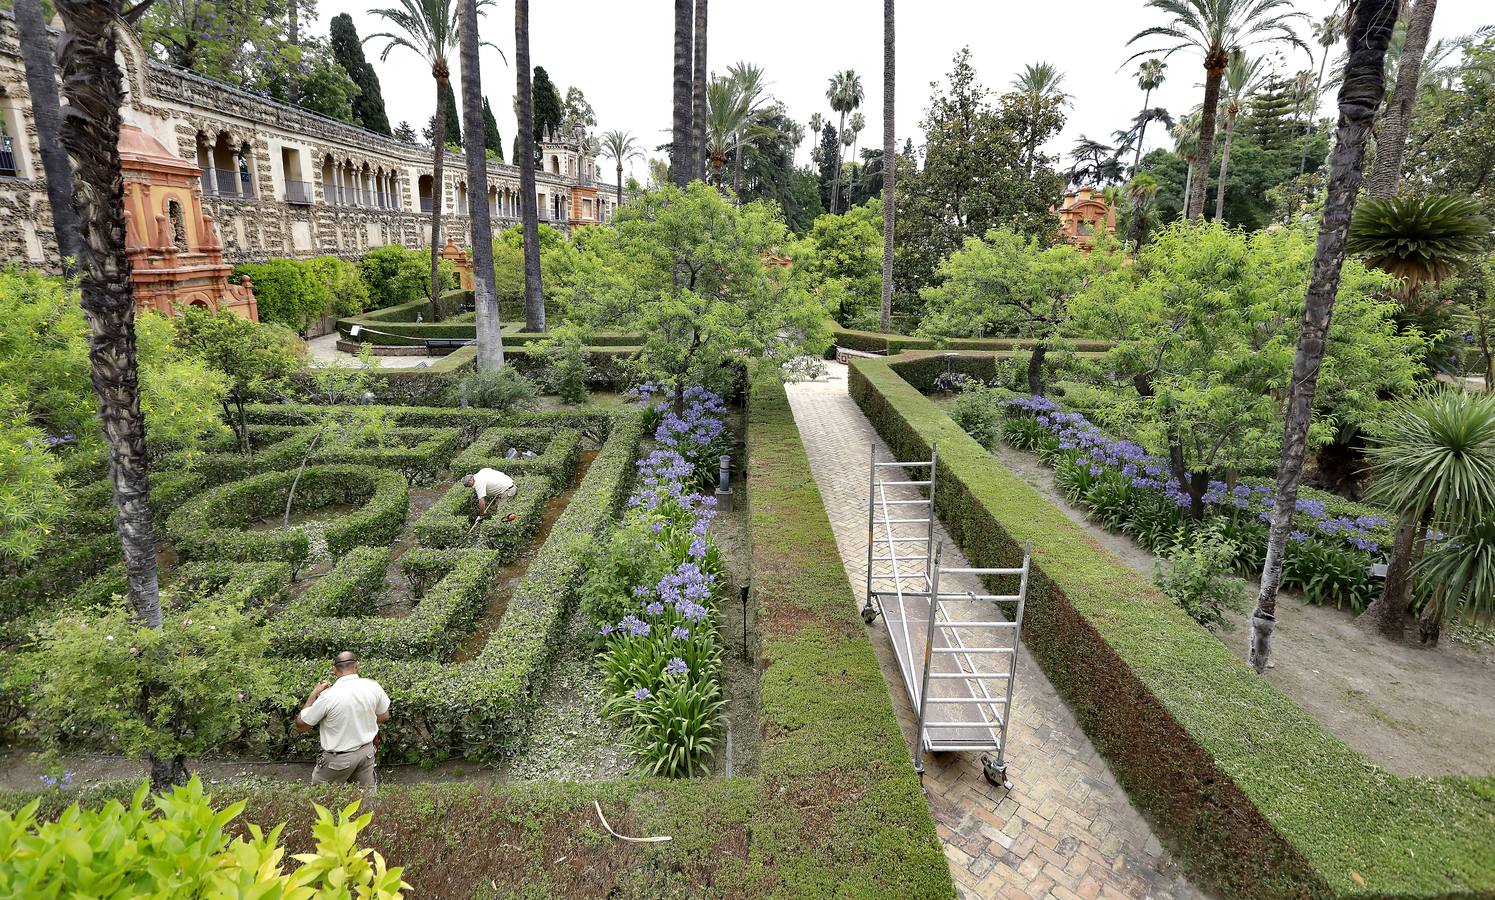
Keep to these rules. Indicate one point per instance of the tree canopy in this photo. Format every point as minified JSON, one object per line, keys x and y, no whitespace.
{"x":347,"y":49}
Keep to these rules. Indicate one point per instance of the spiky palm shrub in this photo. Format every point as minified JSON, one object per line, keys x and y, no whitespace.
{"x":1459,"y":575}
{"x":1434,"y":463}
{"x":1418,"y":238}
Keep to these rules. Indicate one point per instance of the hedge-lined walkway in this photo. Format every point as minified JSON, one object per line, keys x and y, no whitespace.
{"x":1067,"y":829}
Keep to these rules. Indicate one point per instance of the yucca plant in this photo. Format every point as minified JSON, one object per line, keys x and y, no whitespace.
{"x":1418,"y":239}
{"x":1459,"y":574}
{"x":1434,"y":463}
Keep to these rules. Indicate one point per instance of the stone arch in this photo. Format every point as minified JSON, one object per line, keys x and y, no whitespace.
{"x":555,"y":164}
{"x":425,"y":189}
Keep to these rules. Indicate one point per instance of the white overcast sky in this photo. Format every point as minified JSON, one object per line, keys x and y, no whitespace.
{"x":619,"y":54}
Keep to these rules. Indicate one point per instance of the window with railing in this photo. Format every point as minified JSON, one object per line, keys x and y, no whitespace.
{"x":425,"y":204}
{"x":8,"y":165}
{"x":298,"y":192}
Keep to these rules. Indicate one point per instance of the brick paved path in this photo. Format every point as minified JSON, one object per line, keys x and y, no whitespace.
{"x":1066,"y":829}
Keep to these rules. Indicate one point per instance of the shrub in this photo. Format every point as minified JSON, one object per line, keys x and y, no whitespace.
{"x":498,"y":389}
{"x":245,"y":586}
{"x":98,"y":678}
{"x":1197,"y":577}
{"x":568,"y":365}
{"x":341,"y":280}
{"x":288,"y":292}
{"x":978,"y":411}
{"x":450,"y":521}
{"x":395,"y":275}
{"x":175,"y":845}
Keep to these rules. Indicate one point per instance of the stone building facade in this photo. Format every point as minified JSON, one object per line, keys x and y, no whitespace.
{"x":278,"y":181}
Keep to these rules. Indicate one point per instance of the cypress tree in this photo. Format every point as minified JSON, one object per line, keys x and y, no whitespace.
{"x":549,"y":110}
{"x":491,"y":139}
{"x":347,"y":49}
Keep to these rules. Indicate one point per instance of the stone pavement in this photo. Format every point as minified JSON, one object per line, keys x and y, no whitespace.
{"x":1066,"y":829}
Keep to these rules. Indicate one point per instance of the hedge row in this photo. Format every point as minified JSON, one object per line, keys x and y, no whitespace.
{"x":594,"y":422}
{"x":338,"y":612}
{"x":894,"y":344}
{"x":215,"y":524}
{"x":1255,"y":796}
{"x":558,"y":451}
{"x":250,"y":586}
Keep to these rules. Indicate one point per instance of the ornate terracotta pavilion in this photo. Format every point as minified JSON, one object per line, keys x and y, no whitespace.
{"x":175,"y":254}
{"x":1085,"y":214}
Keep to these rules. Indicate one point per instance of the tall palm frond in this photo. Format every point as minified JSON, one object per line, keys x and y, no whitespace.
{"x":1436,"y":452}
{"x":1040,"y":79}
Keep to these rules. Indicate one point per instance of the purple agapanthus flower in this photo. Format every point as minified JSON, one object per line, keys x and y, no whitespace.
{"x":676,"y":666}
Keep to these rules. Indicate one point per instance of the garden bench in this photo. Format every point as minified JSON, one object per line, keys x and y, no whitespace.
{"x":433,"y":344}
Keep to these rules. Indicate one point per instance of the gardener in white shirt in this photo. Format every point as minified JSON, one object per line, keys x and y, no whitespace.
{"x":490,"y":484}
{"x":349,"y":710}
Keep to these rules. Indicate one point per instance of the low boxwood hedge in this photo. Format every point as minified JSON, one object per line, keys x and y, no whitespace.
{"x":262,"y":585}
{"x":593,"y":422}
{"x":557,"y":453}
{"x":1254,"y":795}
{"x":214,"y":525}
{"x":894,"y":344}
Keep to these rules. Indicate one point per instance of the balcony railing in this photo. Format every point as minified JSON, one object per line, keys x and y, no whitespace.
{"x":584,"y":180}
{"x":425,"y":204}
{"x":228,"y":183}
{"x":298,"y":192}
{"x":8,"y":167}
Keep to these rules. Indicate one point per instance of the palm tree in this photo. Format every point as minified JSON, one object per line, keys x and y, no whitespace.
{"x":1326,"y":34}
{"x":428,"y":28}
{"x":682,"y":154}
{"x":46,"y":112}
{"x":529,"y":201}
{"x":728,"y":118}
{"x":753,"y":86}
{"x":1186,"y":144}
{"x":1418,"y":238}
{"x":1037,"y":82}
{"x":845,"y":95}
{"x":1242,"y":77}
{"x":94,"y":87}
{"x":489,"y":325}
{"x":1149,"y":79}
{"x":1359,"y":97}
{"x":889,"y":166}
{"x":1434,"y":464}
{"x":700,"y":77}
{"x":1214,"y":28}
{"x":1396,"y":119}
{"x":620,"y":146}
{"x":1140,"y":190}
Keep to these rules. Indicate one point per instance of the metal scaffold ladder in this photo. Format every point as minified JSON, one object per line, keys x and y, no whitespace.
{"x":955,"y":650}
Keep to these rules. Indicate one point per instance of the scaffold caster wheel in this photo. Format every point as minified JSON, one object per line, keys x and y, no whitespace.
{"x":869,"y":614}
{"x":995,"y":772}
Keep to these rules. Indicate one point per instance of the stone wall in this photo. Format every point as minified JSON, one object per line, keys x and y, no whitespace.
{"x":277,"y":157}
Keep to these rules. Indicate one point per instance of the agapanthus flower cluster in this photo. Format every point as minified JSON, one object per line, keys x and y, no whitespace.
{"x":1100,"y":454}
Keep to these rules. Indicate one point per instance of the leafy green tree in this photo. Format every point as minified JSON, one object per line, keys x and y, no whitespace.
{"x":177,"y":845}
{"x":974,"y":177}
{"x":1206,"y":322}
{"x":288,"y":292}
{"x":96,"y":678}
{"x":841,"y":261}
{"x":406,"y":133}
{"x":1011,"y":286}
{"x":827,"y":157}
{"x":685,"y":270}
{"x":225,"y":40}
{"x":31,"y":502}
{"x":1039,"y":99}
{"x":493,"y":142}
{"x":347,"y":49}
{"x":575,"y":110}
{"x":326,"y":89}
{"x":256,"y":360}
{"x":1451,"y":148}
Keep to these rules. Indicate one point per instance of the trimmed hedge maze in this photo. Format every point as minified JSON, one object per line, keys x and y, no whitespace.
{"x":403,"y":591}
{"x":1257,"y":799}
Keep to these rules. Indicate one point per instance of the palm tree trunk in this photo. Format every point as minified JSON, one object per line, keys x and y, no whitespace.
{"x":1141,"y":130}
{"x":1359,"y":97}
{"x":1188,"y":186}
{"x":438,"y":189}
{"x":1214,"y":70}
{"x":1391,"y":137}
{"x":836,"y":181}
{"x":889,"y":166}
{"x":620,"y":184}
{"x":737,"y":171}
{"x":485,"y":297}
{"x":1313,"y":111}
{"x":1387,"y":616}
{"x":94,"y":88}
{"x":1224,"y":167}
{"x":682,"y":153}
{"x":534,"y":299}
{"x":46,"y":111}
{"x":698,"y":92}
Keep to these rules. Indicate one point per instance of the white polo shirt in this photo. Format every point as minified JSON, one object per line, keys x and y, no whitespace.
{"x":348,"y":712}
{"x":491,"y":481}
